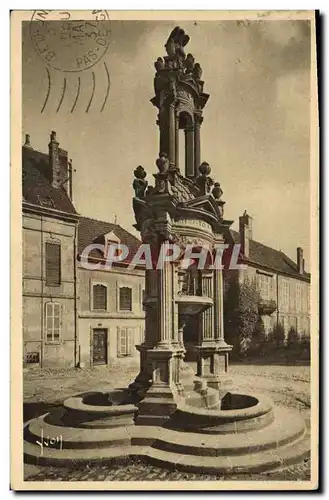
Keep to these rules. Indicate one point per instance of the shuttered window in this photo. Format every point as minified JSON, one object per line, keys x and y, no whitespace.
{"x":125,"y":341}
{"x":53,"y":264}
{"x":125,"y":299}
{"x":100,"y":297}
{"x":53,"y":322}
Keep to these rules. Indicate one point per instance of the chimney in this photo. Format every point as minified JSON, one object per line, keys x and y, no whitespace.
{"x":300,"y":260}
{"x":245,"y":229}
{"x":27,"y":141}
{"x":54,"y":160}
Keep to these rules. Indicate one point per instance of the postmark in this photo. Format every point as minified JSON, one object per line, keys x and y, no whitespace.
{"x":67,"y":43}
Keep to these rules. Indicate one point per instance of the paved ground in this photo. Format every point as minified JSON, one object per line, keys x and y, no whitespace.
{"x":286,"y":385}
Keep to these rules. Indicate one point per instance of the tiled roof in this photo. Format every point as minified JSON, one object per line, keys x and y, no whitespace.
{"x":37,"y":187}
{"x":91,"y":231}
{"x":270,"y":258}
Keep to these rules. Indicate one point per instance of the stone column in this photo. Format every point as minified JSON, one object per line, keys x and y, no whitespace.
{"x":189,"y":151}
{"x":172,"y":135}
{"x":144,"y":378}
{"x":164,"y":303}
{"x":164,"y":129}
{"x":197,"y":144}
{"x":160,"y":399}
{"x":177,"y":142}
{"x":222,"y":348}
{"x":206,"y":326}
{"x":218,"y":311}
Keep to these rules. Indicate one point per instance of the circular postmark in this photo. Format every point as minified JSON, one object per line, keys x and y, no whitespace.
{"x":67,"y":43}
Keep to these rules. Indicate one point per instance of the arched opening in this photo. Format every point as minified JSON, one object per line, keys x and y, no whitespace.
{"x":185,"y":143}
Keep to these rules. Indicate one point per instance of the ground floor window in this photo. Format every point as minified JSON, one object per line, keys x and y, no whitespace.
{"x":126,"y":341}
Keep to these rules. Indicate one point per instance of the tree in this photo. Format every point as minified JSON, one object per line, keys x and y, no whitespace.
{"x":293,"y":338}
{"x":240,"y":312}
{"x":259,"y":340}
{"x":277,"y":336}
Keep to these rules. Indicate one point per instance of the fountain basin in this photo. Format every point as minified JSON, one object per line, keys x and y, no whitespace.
{"x":256,"y":413}
{"x":99,"y":410}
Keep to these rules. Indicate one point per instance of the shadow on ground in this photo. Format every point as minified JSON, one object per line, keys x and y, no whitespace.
{"x":33,"y":410}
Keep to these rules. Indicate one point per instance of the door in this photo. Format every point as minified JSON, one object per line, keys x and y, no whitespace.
{"x":99,"y":346}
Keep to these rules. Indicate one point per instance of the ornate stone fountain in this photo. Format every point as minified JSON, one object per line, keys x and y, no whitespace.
{"x":170,"y":415}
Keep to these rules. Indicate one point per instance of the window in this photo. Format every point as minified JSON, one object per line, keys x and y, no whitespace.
{"x":125,"y":299}
{"x":298,"y":297}
{"x":53,"y":264}
{"x":265,"y":286}
{"x":53,"y":321}
{"x":285,"y":295}
{"x":305,"y":300}
{"x":100,"y":297}
{"x":125,"y":342}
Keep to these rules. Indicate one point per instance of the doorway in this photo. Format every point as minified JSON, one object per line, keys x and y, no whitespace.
{"x":100,"y":346}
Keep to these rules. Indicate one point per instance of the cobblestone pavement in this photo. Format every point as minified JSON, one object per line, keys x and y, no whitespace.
{"x":138,"y":471}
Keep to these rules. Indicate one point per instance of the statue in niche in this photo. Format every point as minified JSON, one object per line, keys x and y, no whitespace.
{"x":140,"y":183}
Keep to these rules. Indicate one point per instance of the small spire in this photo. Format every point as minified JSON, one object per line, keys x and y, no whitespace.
{"x":27,"y":141}
{"x":115,"y":219}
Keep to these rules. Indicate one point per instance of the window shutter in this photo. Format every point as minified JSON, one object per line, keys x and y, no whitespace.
{"x":130,"y":341}
{"x":141,"y":334}
{"x":53,"y":264}
{"x":121,"y":341}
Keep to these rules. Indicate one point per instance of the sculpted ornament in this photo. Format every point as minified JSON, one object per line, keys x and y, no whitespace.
{"x":176,"y":43}
{"x":148,"y":232}
{"x":140,"y":183}
{"x":197,"y":71}
{"x":159,"y":64}
{"x":184,"y":240}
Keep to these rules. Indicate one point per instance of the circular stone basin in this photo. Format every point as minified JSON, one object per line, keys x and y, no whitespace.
{"x":238,"y":412}
{"x":113,"y":398}
{"x":237,"y":401}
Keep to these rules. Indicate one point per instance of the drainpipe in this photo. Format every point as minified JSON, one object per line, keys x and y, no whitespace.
{"x":277,"y":300}
{"x":42,"y":333}
{"x":76,"y":333}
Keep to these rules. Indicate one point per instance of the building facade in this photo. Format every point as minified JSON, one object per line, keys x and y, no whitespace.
{"x":283,"y":285}
{"x":110,"y":301}
{"x":72,"y":316}
{"x":49,"y":250}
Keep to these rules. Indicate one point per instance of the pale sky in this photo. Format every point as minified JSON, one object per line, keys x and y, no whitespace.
{"x":255,"y":133}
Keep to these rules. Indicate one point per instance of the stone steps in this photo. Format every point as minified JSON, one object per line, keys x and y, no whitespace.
{"x":285,"y":428}
{"x":281,"y":443}
{"x":257,"y":462}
